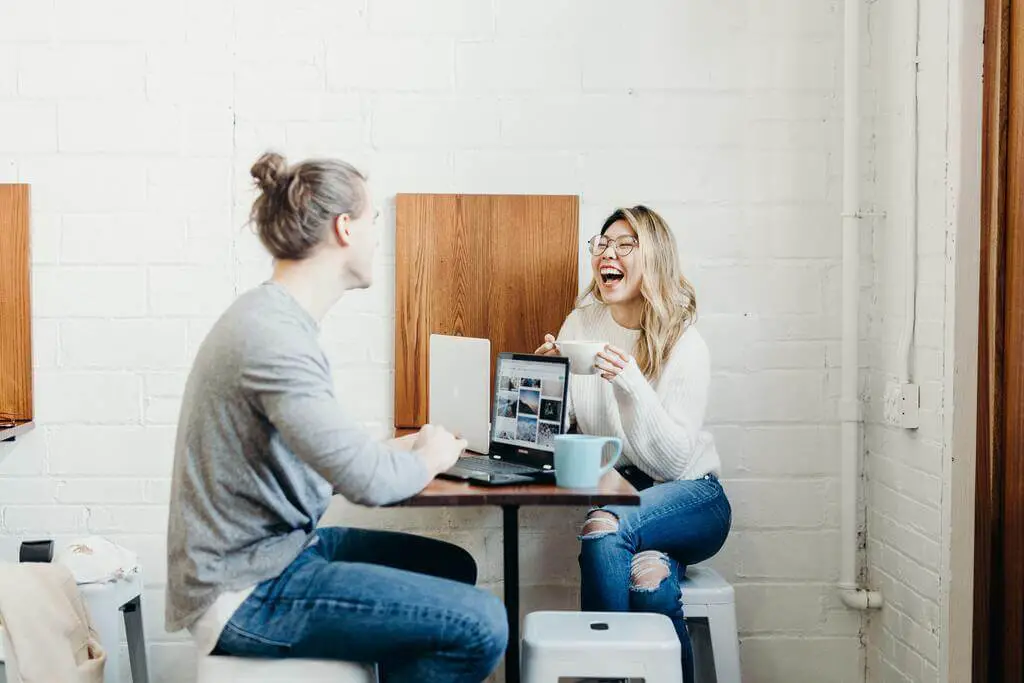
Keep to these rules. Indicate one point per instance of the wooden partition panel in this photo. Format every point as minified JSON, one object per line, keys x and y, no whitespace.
{"x":499,"y":267}
{"x":999,"y":514}
{"x":15,"y":313}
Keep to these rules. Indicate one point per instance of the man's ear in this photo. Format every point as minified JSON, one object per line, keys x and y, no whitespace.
{"x":343,"y":229}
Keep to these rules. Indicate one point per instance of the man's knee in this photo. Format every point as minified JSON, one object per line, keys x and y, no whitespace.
{"x":599,"y":523}
{"x":489,"y":630}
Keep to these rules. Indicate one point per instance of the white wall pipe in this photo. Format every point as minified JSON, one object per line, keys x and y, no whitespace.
{"x":851,"y":593}
{"x":910,"y":267}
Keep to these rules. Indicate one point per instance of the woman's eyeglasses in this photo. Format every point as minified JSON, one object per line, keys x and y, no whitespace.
{"x":623,"y":245}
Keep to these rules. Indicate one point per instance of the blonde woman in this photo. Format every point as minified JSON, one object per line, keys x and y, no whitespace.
{"x":651,"y":391}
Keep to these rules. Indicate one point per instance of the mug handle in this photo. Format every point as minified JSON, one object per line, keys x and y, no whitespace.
{"x":618,"y":453}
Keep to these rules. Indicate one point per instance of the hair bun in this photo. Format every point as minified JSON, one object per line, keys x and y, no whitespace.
{"x":297,"y":205}
{"x":270,"y":172}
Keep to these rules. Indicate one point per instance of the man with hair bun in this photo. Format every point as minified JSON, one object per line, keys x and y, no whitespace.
{"x":262,"y":446}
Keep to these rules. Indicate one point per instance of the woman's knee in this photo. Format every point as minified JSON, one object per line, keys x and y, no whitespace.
{"x":648,"y":570}
{"x":651,"y":588}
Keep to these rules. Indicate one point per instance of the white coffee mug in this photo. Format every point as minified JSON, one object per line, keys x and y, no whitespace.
{"x":582,"y":355}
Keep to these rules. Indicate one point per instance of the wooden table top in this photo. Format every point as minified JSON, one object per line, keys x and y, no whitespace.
{"x":611,"y":490}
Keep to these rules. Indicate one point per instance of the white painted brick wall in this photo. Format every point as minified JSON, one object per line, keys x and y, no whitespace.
{"x":69,"y":396}
{"x":463,"y":18}
{"x":28,"y":127}
{"x":123,"y":344}
{"x":391,"y":62}
{"x":84,"y":184}
{"x":907,"y":471}
{"x":136,"y":123}
{"x":448,"y":122}
{"x":70,"y":71}
{"x":516,"y":64}
{"x":89,"y":291}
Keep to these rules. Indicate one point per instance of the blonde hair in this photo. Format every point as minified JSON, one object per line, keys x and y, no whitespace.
{"x":669,"y":300}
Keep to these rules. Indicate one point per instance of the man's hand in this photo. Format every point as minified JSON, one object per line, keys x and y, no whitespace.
{"x":438,"y":448}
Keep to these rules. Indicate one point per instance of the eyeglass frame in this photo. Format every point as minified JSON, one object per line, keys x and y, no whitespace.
{"x":612,"y":242}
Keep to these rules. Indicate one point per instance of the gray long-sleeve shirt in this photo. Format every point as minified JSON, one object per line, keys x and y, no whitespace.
{"x":262,"y":443}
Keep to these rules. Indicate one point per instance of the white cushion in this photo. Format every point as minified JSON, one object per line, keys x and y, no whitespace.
{"x":705,"y":586}
{"x":218,"y":669}
{"x":615,"y":645}
{"x":598,"y":631}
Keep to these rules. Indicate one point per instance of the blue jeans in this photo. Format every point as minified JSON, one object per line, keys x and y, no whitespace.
{"x":683,"y":522}
{"x":402,"y":601}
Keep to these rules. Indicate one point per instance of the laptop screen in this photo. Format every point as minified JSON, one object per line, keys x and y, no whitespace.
{"x":529,"y":403}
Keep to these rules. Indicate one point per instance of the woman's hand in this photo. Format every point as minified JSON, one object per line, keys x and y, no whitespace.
{"x":612,"y":361}
{"x":548,"y":348}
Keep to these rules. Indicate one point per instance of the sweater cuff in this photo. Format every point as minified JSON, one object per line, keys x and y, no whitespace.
{"x":631,"y":381}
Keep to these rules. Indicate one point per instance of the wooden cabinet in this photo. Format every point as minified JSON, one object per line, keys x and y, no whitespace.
{"x":999,"y":512}
{"x":497,"y":267}
{"x":16,"y":411}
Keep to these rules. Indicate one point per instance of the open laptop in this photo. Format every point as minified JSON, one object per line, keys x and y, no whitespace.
{"x":528,"y":410}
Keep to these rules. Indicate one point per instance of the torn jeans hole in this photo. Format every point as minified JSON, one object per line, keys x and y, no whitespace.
{"x":599,"y":524}
{"x":648,"y":570}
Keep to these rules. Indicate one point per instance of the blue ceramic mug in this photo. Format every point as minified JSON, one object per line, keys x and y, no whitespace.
{"x":578,"y":459}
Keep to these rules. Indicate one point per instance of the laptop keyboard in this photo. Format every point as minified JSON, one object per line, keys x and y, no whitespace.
{"x":478,"y":464}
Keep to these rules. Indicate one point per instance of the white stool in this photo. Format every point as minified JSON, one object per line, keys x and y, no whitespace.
{"x":108,"y":603}
{"x":558,"y":645}
{"x":219,"y":669}
{"x":709,"y":597}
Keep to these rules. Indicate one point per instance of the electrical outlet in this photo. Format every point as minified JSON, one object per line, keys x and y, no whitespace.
{"x":902,"y":404}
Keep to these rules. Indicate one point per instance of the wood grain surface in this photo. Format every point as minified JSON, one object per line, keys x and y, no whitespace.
{"x":498,"y":267}
{"x":15,"y":309}
{"x":612,"y":490}
{"x":999,"y":513}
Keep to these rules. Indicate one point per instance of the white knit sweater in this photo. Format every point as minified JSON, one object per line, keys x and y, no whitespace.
{"x":661,"y":423}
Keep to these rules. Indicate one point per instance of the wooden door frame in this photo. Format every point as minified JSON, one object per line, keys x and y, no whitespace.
{"x":999,"y":512}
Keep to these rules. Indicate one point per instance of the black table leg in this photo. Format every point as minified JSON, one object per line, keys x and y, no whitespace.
{"x":510,"y":527}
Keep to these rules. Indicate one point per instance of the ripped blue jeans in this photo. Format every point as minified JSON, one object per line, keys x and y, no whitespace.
{"x":633,"y":559}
